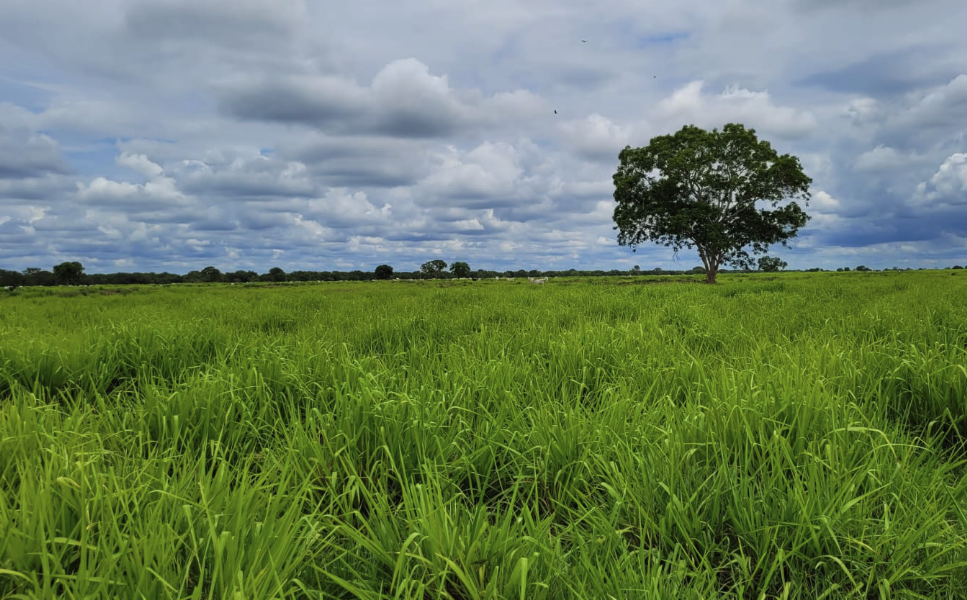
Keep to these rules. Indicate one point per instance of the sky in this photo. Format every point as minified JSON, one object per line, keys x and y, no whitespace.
{"x":169,"y":135}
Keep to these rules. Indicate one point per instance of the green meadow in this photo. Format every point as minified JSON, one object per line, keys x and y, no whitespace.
{"x":790,"y":436}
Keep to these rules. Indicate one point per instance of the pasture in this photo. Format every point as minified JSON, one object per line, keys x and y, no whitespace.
{"x":790,"y":436}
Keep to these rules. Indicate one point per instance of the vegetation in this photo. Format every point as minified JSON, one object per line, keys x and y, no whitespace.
{"x":383,"y":272}
{"x":460,"y":269}
{"x":774,"y":436}
{"x":276,"y":274}
{"x":699,"y":189}
{"x":68,"y":273}
{"x":772,"y":264}
{"x":433,"y":268}
{"x":33,"y":277}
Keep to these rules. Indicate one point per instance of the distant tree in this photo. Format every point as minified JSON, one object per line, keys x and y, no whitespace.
{"x":636,"y":270}
{"x":698,"y":270}
{"x":846,"y":268}
{"x":384,"y":272}
{"x":460,"y":269}
{"x":276,"y":274}
{"x":211,"y":274}
{"x":433,"y":268}
{"x":68,"y":273}
{"x":35,"y":276}
{"x":863,"y":268}
{"x":957,"y":267}
{"x":240,"y":276}
{"x":771,"y":264}
{"x":699,"y":189}
{"x":11,"y":278}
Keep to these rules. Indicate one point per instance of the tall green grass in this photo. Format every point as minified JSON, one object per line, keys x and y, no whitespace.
{"x":770,"y":437}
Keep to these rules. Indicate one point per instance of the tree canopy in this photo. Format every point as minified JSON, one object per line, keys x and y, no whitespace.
{"x":276,"y":274}
{"x":772,"y":264}
{"x":383,"y":272}
{"x":68,"y":273}
{"x":210,"y":274}
{"x":433,"y":267}
{"x":460,"y":269}
{"x":701,"y":189}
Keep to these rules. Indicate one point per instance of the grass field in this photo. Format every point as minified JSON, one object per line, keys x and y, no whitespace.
{"x":795,"y":436}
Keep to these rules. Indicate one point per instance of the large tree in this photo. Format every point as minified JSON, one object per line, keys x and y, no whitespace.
{"x":68,"y":273}
{"x":702,"y":189}
{"x":384,"y":272}
{"x":211,"y":274}
{"x":433,"y":268}
{"x":275,"y":274}
{"x":460,"y":269}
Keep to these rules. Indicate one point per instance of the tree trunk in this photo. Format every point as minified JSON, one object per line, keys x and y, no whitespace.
{"x":711,"y":263}
{"x":711,"y":269}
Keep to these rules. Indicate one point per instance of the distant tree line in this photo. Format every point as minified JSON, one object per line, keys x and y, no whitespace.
{"x":72,"y":273}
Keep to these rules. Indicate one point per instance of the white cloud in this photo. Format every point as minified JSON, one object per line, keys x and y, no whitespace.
{"x":879,"y":158}
{"x":824,"y":203}
{"x":25,"y":154}
{"x":491,"y":170}
{"x":943,"y":107}
{"x":948,"y":186}
{"x":598,"y":137}
{"x":734,"y":104}
{"x":403,"y":100}
{"x":158,"y":193}
{"x":341,"y":208}
{"x":176,"y":134}
{"x":863,"y":110}
{"x":140,"y":164}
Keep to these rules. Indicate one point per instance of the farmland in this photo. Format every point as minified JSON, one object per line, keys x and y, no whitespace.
{"x":771,"y":436}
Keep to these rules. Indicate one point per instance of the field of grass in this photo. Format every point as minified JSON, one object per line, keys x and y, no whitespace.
{"x":795,"y":436}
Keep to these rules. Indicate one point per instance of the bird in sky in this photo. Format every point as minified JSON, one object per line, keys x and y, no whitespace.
{"x":584,"y":41}
{"x":555,"y":112}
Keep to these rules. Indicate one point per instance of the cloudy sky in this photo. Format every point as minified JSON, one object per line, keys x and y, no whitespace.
{"x":174,"y":134}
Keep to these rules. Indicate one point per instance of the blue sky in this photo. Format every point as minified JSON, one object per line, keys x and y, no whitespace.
{"x":168,"y":135}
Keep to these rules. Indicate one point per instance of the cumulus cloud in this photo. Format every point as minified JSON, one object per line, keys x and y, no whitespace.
{"x":948,"y":186}
{"x":824,"y":203}
{"x":489,"y":172}
{"x":339,"y":208}
{"x":879,"y":158}
{"x":169,"y":134}
{"x":158,"y":199}
{"x":27,"y":155}
{"x":937,"y":109}
{"x":734,"y":104}
{"x":599,"y":138}
{"x":403,"y":100}
{"x":244,"y":176}
{"x":141,"y":164}
{"x":353,"y":161}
